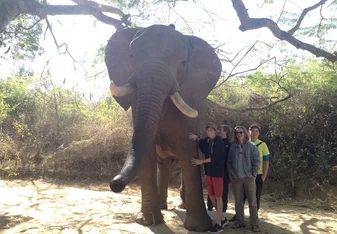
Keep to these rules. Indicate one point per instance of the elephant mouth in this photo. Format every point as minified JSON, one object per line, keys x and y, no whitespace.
{"x":176,"y":98}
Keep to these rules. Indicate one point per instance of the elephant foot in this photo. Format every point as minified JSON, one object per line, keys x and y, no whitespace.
{"x":182,"y":206}
{"x":149,"y":218}
{"x":197,"y":222}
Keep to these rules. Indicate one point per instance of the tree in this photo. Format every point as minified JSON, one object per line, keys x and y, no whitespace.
{"x":248,"y":23}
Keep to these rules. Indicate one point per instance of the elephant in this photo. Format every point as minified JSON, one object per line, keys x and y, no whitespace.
{"x":165,"y":77}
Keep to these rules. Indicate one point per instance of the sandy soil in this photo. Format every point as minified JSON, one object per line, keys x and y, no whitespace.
{"x":64,"y":207}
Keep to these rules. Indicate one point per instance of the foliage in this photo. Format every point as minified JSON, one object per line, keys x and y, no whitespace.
{"x":301,"y":132}
{"x":40,"y":120}
{"x":22,"y":38}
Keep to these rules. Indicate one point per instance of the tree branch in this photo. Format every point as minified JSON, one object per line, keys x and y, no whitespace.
{"x":305,"y":11}
{"x":216,"y":105}
{"x":10,"y":9}
{"x":248,"y":23}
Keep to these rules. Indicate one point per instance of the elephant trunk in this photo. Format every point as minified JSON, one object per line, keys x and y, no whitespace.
{"x":152,"y":89}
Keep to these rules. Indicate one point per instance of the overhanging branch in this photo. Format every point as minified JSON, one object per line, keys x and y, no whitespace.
{"x":248,"y":23}
{"x":10,"y":9}
{"x":304,"y":12}
{"x":216,"y":105}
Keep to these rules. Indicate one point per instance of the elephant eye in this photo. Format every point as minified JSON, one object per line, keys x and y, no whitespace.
{"x":130,"y":55}
{"x":184,"y":62}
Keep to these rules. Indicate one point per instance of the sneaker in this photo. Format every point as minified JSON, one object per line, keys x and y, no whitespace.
{"x":224,"y":223}
{"x":233,"y":219}
{"x":215,"y":229}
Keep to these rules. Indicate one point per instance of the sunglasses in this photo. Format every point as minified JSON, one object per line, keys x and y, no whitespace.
{"x":241,"y":132}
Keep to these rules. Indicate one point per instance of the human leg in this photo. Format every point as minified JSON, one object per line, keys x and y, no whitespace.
{"x":250,"y":190}
{"x":224,"y":221}
{"x":225,"y":193}
{"x":209,"y":206}
{"x":237,"y":186}
{"x":259,"y":186}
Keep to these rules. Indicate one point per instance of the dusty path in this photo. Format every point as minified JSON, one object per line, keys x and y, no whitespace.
{"x":44,"y":207}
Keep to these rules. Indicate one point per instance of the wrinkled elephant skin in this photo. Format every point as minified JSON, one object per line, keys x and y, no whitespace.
{"x":165,"y":77}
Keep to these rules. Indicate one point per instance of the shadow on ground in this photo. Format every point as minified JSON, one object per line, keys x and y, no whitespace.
{"x":45,"y":207}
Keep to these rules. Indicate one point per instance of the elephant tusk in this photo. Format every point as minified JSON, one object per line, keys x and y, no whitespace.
{"x":182,"y":106}
{"x":120,"y":91}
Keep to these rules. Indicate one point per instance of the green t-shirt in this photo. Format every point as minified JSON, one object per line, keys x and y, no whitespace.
{"x":264,"y":153}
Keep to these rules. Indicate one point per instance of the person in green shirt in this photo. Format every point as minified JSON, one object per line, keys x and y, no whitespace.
{"x":254,"y":132}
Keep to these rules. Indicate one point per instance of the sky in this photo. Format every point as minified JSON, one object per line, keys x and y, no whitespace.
{"x":84,"y":35}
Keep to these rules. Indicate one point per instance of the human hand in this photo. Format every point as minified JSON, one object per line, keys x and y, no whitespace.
{"x":192,"y":137}
{"x":230,"y":178}
{"x":196,"y":162}
{"x":263,"y":177}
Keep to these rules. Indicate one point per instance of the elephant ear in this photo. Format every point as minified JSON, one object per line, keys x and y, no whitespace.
{"x":203,"y":72}
{"x":117,"y":61}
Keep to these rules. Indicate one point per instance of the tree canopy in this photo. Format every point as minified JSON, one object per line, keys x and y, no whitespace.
{"x":18,"y":16}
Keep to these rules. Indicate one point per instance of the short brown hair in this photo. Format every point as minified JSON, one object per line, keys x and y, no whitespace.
{"x":255,"y":126}
{"x":226,"y":128}
{"x":245,"y":131}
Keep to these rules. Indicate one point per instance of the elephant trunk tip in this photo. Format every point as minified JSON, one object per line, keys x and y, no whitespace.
{"x":118,"y":184}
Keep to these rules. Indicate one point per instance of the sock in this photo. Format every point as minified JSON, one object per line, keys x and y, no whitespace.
{"x":224,"y":215}
{"x":209,"y":212}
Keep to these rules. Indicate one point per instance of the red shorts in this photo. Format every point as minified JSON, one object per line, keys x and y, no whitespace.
{"x":214,"y":186}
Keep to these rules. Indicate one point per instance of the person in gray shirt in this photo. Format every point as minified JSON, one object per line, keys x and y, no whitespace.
{"x":243,"y":166}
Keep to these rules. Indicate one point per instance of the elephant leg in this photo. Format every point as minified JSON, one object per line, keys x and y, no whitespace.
{"x":150,"y":213}
{"x":196,"y":215}
{"x":164,"y":166}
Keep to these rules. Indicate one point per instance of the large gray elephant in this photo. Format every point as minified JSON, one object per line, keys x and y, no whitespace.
{"x":165,"y":77}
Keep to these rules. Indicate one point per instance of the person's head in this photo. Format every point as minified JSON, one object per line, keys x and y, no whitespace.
{"x":211,"y":129}
{"x":240,"y":134}
{"x":254,"y":132}
{"x":224,"y":131}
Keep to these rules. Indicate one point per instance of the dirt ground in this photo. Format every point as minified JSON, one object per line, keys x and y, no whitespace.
{"x":39,"y":206}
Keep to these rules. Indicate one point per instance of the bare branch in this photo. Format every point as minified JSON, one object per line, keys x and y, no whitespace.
{"x":66,"y":51}
{"x":320,"y":22}
{"x":95,"y":75}
{"x":231,"y":73}
{"x":10,"y":9}
{"x":284,"y":4}
{"x":104,"y":18}
{"x":181,"y":17}
{"x":305,"y":11}
{"x":271,"y":103}
{"x":250,"y":108}
{"x":248,"y":23}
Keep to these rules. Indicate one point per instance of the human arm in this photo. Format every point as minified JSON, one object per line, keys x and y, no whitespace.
{"x":229,"y":162}
{"x":255,"y":159}
{"x":265,"y":170}
{"x":196,"y":162}
{"x":266,"y":156}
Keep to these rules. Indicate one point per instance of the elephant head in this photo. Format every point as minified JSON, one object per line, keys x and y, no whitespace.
{"x":146,"y":66}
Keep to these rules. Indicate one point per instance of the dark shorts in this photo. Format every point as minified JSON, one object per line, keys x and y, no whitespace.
{"x":214,"y":186}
